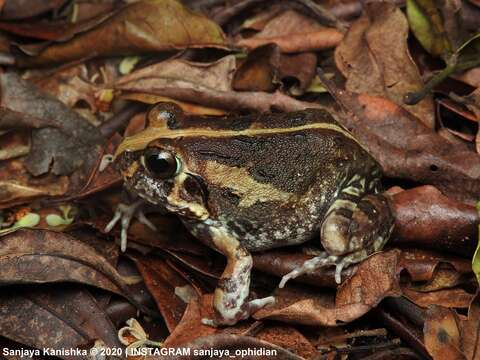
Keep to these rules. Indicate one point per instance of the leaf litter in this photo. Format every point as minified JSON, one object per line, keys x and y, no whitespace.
{"x":402,"y":76}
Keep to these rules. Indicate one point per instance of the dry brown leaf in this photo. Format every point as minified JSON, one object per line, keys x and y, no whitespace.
{"x":265,"y":68}
{"x":190,"y":326}
{"x":376,"y":44}
{"x":455,"y":298}
{"x":426,"y":217}
{"x":140,"y":27}
{"x":406,"y":148}
{"x":294,"y":32}
{"x":164,"y":284}
{"x":17,"y":185}
{"x":442,"y":335}
{"x":72,"y":144}
{"x":216,"y":75}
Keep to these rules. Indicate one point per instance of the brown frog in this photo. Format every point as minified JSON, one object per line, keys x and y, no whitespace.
{"x":253,"y":183}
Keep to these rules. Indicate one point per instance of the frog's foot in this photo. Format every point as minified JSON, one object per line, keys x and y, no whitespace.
{"x":242,"y":313}
{"x":126,"y":213}
{"x":321,"y":261}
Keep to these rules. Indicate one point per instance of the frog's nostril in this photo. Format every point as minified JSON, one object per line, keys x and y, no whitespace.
{"x":434,"y":167}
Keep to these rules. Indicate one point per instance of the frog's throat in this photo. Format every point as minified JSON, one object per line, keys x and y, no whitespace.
{"x":141,"y":140}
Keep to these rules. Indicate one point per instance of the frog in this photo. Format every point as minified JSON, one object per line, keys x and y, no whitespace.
{"x":251,"y":183}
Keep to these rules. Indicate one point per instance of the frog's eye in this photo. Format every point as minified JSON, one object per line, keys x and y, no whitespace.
{"x":161,"y":164}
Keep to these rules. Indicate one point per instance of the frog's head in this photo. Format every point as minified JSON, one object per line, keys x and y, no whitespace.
{"x":154,"y":166}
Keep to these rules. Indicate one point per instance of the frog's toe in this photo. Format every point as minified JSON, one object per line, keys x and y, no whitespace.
{"x":243,"y":313}
{"x":314,"y":264}
{"x":125,"y":213}
{"x":257,"y":304}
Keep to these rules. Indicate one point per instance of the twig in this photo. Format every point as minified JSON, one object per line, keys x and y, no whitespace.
{"x":407,"y":333}
{"x":453,"y":66}
{"x":355,"y":334}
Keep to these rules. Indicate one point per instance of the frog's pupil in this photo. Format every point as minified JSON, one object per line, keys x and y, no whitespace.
{"x":161,"y":164}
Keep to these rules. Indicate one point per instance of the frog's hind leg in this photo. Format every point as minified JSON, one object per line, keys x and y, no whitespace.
{"x":230,"y":298}
{"x":350,"y":232}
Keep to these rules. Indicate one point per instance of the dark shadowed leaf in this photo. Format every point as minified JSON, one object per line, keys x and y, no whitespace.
{"x":36,"y":316}
{"x":22,"y":9}
{"x":34,"y":256}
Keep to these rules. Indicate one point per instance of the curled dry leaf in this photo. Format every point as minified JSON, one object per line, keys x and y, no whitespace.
{"x":426,"y":217}
{"x":145,"y":26}
{"x":376,"y":44}
{"x":374,"y":279}
{"x":471,"y":330}
{"x":422,"y":264}
{"x":35,"y":317}
{"x":450,"y":336}
{"x":370,"y":282}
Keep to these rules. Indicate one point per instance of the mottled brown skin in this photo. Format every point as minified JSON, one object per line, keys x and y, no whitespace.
{"x":257,"y":183}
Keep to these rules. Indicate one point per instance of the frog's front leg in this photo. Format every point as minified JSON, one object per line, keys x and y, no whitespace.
{"x":230,"y":298}
{"x":351,"y":231}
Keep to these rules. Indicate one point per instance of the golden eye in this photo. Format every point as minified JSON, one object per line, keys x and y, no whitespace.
{"x":161,"y":163}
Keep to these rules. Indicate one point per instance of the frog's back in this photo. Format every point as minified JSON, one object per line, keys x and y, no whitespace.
{"x":272,"y":180}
